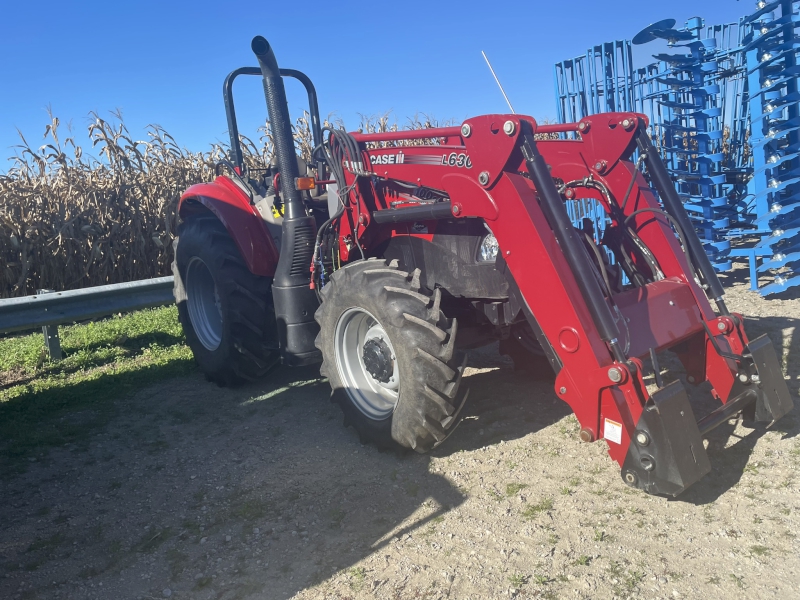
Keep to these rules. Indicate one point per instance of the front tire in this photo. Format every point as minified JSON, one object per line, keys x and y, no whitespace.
{"x":389,"y":354}
{"x":225,"y":310}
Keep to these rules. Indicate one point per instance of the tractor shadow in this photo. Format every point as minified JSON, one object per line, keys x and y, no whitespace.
{"x":503,"y":404}
{"x":253,"y":492}
{"x":260,"y":492}
{"x":250,"y":492}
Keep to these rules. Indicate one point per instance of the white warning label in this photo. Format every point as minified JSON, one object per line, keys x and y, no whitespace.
{"x":612,"y":431}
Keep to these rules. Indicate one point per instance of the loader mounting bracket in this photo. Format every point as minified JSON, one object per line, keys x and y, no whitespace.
{"x":666,"y":454}
{"x":773,"y":399}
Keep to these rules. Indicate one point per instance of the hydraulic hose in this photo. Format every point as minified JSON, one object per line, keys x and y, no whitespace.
{"x":573,"y":249}
{"x":674,"y":206}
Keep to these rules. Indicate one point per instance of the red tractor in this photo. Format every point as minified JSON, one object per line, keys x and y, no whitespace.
{"x":394,"y":252}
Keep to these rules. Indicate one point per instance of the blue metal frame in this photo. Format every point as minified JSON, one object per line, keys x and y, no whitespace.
{"x":724,"y":110}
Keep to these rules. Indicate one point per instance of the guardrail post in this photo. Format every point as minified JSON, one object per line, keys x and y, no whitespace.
{"x":51,"y":339}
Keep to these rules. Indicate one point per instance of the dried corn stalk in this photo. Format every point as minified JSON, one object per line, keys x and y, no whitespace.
{"x":71,"y":219}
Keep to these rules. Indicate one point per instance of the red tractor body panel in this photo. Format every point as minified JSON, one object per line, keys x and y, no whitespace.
{"x":232,"y":207}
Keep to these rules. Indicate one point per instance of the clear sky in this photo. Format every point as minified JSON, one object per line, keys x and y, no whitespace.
{"x":164,"y":62}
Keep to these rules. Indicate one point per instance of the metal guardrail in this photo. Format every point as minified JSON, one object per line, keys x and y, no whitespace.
{"x":49,"y":309}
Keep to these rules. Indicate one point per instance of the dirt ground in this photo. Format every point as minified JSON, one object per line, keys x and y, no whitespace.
{"x":194,"y":491}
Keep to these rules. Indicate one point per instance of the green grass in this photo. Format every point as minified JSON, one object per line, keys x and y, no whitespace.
{"x":600,"y":535}
{"x":738,"y":580}
{"x":358,"y":577}
{"x":49,"y":543}
{"x":512,"y":489}
{"x":45,"y":404}
{"x":533,"y":510}
{"x":150,"y":541}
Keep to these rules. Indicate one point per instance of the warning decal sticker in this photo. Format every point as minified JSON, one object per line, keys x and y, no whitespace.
{"x":612,"y":431}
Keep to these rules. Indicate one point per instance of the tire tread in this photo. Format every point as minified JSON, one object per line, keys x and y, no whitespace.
{"x":433,"y":396}
{"x":247,"y":353}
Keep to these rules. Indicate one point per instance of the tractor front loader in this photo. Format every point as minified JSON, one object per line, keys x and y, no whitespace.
{"x":393,"y":253}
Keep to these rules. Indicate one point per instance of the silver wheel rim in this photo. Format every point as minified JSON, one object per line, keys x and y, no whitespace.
{"x":203,"y":303}
{"x":375,"y":399}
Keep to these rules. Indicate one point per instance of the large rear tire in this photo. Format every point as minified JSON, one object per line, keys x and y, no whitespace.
{"x":389,"y":354}
{"x":225,"y":310}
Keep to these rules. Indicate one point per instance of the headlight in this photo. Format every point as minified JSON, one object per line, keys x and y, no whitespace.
{"x":489,"y":249}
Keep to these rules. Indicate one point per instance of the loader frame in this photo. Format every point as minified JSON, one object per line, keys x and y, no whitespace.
{"x":508,"y":179}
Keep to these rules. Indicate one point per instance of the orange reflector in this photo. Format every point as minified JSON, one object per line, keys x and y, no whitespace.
{"x":304,"y":183}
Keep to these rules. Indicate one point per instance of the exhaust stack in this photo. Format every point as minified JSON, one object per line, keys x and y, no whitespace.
{"x":295,"y":303}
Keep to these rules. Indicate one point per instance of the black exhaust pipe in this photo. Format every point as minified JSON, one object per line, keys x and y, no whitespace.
{"x":295,"y":302}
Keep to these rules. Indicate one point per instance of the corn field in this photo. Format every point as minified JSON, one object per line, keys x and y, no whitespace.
{"x":71,"y":218}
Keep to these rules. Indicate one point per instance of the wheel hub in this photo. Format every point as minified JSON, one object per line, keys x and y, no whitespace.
{"x":203,"y":303}
{"x":377,"y":359}
{"x":367,"y":363}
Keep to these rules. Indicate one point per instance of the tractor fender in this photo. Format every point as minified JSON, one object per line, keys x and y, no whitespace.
{"x":226,"y":201}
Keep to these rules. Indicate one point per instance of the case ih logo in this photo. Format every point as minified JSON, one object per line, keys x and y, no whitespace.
{"x":389,"y":159}
{"x":454,"y":159}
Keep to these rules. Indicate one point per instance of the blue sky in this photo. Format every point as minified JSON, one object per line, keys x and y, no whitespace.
{"x":164,"y":62}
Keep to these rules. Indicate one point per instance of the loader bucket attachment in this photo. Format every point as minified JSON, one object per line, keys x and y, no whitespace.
{"x":666,"y":454}
{"x":773,"y":399}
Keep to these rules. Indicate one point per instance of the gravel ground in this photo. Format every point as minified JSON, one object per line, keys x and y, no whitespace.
{"x":193,"y":491}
